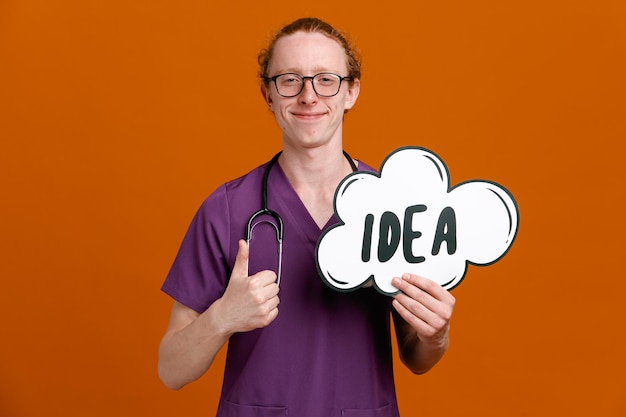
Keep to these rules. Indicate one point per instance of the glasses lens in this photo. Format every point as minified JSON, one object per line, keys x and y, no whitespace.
{"x":289,"y":85}
{"x":326,"y":84}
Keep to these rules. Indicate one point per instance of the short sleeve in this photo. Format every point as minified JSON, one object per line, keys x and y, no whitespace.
{"x":200,"y":270}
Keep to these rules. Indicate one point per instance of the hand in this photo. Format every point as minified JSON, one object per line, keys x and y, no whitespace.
{"x":425,"y":306}
{"x":249,"y":302}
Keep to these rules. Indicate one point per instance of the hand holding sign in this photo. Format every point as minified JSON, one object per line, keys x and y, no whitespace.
{"x":408,"y":219}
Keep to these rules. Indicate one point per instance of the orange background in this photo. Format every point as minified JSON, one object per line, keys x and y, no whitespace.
{"x":117,"y":118}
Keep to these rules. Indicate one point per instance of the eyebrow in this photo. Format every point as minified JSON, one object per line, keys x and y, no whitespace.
{"x":315,"y":70}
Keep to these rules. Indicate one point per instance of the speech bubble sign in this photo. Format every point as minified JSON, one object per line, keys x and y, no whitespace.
{"x":407,"y":218}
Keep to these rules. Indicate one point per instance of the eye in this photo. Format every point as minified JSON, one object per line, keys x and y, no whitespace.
{"x":289,"y":79}
{"x":327,"y":79}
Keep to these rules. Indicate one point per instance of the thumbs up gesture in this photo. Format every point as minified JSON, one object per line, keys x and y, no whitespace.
{"x":249,"y":302}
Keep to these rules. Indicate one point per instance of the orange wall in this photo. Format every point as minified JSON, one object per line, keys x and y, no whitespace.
{"x":117,"y":118}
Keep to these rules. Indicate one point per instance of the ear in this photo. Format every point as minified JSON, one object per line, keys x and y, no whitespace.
{"x":265,"y":92}
{"x":354,"y":88}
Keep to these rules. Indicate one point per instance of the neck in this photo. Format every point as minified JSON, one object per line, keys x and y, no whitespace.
{"x":315,"y":174}
{"x":315,"y":167}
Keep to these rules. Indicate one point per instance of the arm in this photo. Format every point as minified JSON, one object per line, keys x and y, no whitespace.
{"x":192,"y":339}
{"x":422,"y":312}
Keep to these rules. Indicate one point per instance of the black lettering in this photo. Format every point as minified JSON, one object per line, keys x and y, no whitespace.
{"x":367,"y":238}
{"x":446,"y":232}
{"x":389,"y":236}
{"x":409,"y":234}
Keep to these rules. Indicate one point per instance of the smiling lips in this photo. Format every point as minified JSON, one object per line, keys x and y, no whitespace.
{"x":308,"y":115}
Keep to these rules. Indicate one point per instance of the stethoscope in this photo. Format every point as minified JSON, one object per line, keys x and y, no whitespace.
{"x":278,"y":226}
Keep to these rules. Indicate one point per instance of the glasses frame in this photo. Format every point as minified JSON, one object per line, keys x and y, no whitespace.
{"x":304,"y":78}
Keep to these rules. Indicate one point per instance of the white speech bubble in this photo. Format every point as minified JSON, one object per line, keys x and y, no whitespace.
{"x":408,"y":219}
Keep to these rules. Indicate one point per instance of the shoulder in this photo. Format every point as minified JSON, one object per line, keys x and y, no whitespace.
{"x":253,"y":175}
{"x":227,"y":209}
{"x":244,"y":187}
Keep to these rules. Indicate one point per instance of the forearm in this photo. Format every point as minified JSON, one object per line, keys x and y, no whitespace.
{"x":420,"y":356}
{"x":186,"y":353}
{"x":421,"y":311}
{"x":192,"y":340}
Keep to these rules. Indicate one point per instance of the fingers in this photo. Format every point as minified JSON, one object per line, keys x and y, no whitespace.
{"x":424,"y":305}
{"x":249,"y":302}
{"x":240,"y":269}
{"x":424,"y":290}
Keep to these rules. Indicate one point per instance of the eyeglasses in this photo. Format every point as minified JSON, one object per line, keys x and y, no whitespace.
{"x":325,"y":84}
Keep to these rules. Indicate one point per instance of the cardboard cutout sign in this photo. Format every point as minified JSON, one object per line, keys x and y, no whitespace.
{"x":408,"y":219}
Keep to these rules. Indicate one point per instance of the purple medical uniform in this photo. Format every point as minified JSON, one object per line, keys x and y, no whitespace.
{"x":328,"y":353}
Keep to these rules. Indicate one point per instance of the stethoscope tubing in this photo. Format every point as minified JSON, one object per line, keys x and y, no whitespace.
{"x":265,"y":211}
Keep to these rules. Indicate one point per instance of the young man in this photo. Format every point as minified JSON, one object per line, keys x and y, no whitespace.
{"x":315,"y":351}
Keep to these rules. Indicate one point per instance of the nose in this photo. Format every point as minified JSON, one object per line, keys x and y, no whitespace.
{"x":308,"y":94}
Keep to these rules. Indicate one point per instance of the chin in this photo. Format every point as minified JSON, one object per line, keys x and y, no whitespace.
{"x":306,"y":141}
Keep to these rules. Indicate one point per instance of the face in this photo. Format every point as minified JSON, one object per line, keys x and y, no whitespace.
{"x":308,"y":120}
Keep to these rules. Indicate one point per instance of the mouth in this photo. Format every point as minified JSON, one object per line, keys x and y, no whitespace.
{"x":308,"y":115}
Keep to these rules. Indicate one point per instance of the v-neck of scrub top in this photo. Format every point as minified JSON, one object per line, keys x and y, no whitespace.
{"x":292,"y":205}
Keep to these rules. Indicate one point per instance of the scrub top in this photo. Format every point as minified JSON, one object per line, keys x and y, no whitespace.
{"x":327,"y":353}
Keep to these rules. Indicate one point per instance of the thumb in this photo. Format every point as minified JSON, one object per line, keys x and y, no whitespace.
{"x":240,"y":269}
